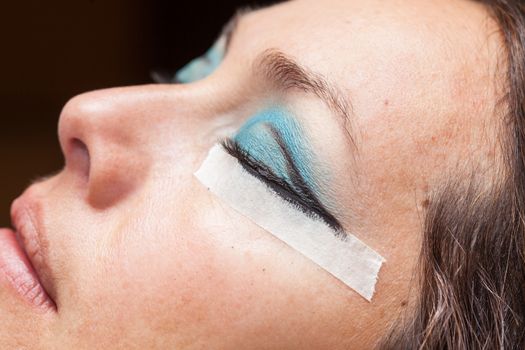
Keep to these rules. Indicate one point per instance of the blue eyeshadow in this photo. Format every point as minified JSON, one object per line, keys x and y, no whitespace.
{"x":202,"y":66}
{"x":257,"y":139}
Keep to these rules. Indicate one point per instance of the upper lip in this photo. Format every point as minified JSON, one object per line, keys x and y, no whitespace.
{"x":26,"y":218}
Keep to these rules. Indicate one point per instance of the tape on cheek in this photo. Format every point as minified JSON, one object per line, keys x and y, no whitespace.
{"x":348,"y":259}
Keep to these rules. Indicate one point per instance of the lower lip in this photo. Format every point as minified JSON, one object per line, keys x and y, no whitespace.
{"x":17,"y":273}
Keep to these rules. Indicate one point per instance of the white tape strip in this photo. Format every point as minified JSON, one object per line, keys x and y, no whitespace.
{"x":350,"y":260}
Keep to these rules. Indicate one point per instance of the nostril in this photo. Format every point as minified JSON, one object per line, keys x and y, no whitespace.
{"x":78,"y":158}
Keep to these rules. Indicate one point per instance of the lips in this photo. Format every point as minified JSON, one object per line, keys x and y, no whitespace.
{"x":22,"y":263}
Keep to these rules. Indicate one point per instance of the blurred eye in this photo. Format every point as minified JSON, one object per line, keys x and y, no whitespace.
{"x":204,"y":65}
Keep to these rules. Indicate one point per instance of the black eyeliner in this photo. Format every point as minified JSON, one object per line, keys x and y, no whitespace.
{"x":299,"y":194}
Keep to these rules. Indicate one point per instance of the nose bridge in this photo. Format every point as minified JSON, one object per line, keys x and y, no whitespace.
{"x":130,"y":115}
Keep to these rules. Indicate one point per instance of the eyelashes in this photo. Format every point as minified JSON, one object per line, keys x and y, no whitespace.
{"x":297,"y":192}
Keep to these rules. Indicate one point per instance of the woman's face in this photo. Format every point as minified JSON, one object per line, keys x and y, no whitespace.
{"x":135,"y":252}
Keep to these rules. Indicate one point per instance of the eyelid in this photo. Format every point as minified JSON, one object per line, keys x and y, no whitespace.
{"x":253,"y":166}
{"x":304,"y":200}
{"x":202,"y":66}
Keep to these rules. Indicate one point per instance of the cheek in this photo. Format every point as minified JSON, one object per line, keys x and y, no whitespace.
{"x":195,"y":269}
{"x":215,"y":275}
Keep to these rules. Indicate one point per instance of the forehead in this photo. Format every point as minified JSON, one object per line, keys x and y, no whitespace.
{"x":379,"y":50}
{"x":390,"y":27}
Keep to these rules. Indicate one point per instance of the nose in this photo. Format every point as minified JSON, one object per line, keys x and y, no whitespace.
{"x":108,"y":137}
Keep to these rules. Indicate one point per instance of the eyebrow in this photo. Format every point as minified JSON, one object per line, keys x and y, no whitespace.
{"x":286,"y":73}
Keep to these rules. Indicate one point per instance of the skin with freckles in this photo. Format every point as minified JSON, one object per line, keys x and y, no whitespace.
{"x":142,"y":256}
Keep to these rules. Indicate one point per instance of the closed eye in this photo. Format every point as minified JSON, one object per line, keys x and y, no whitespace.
{"x":298,"y":193}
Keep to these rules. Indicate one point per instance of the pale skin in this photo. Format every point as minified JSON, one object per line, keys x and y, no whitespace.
{"x":143,"y":256}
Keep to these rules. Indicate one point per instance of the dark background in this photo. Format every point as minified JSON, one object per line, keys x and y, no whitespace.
{"x":53,"y":50}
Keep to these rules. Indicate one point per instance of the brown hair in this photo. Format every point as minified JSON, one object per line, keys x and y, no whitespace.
{"x":471,"y":291}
